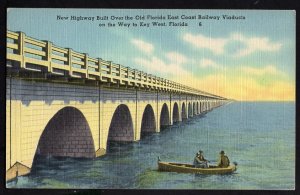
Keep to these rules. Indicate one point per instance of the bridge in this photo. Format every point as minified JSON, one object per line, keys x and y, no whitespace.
{"x":61,"y":102}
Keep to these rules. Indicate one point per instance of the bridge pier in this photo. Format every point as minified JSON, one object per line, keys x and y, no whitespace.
{"x":184,"y":114}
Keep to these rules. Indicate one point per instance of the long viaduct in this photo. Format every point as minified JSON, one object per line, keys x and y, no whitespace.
{"x":64,"y":103}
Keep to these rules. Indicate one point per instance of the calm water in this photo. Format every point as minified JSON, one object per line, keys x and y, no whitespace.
{"x":259,"y":136}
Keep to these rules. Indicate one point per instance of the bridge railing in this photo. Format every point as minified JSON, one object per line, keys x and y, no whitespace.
{"x":44,"y":56}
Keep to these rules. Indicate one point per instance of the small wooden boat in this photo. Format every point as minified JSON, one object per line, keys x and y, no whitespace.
{"x":188,"y":168}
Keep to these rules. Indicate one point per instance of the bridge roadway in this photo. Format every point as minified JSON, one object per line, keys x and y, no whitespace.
{"x":63,"y":103}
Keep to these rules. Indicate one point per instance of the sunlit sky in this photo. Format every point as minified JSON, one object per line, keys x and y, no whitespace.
{"x":247,"y":60}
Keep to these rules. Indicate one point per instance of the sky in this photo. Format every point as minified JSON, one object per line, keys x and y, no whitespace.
{"x":251,"y":59}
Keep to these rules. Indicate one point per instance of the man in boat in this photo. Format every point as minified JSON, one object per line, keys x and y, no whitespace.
{"x":200,"y":161}
{"x":223,"y":161}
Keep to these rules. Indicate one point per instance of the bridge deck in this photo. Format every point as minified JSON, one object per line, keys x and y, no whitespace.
{"x":26,"y":53}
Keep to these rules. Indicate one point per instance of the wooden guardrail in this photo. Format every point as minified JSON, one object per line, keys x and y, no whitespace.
{"x":36,"y":55}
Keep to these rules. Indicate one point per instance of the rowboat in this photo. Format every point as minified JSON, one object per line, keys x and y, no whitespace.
{"x":188,"y":168}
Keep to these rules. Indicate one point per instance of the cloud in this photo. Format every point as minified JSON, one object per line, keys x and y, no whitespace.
{"x":244,"y":45}
{"x":143,"y":46}
{"x":236,"y":85}
{"x":176,"y":57}
{"x":270,"y":69}
{"x":254,"y":44}
{"x":156,"y":65}
{"x":153,"y":64}
{"x":216,"y":45}
{"x":205,"y":63}
{"x":245,"y":83}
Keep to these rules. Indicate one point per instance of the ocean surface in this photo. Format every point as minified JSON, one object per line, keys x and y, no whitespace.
{"x":259,"y":136}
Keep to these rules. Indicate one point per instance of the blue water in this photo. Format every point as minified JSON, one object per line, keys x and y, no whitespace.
{"x":260,"y":136}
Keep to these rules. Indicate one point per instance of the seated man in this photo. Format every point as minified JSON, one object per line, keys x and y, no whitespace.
{"x":200,"y":161}
{"x":223,"y":161}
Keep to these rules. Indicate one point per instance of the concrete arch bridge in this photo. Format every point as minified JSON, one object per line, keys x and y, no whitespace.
{"x":64,"y":103}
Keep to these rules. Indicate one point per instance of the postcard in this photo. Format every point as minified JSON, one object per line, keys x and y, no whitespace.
{"x":150,"y":99}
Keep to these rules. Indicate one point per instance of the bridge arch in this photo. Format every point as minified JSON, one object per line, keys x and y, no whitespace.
{"x":175,"y":113}
{"x":121,"y":126}
{"x":148,"y":121}
{"x":183,"y":111}
{"x":67,"y":134}
{"x":190,"y":109}
{"x":164,"y":116}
